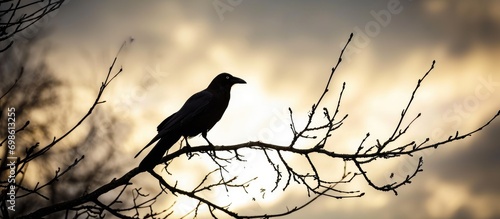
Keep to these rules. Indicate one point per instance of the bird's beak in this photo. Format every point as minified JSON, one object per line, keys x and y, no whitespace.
{"x":236,"y":80}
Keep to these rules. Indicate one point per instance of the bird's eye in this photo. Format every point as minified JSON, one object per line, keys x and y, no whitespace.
{"x":227,"y":77}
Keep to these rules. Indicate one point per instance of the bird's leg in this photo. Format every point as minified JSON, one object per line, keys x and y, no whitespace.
{"x":189,"y":154}
{"x":204,"y":135}
{"x":187,"y":143}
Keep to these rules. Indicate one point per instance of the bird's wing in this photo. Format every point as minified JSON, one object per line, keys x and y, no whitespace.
{"x":195,"y":105}
{"x":165,"y":122}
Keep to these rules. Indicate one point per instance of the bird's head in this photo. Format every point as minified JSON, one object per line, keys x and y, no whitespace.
{"x":225,"y":80}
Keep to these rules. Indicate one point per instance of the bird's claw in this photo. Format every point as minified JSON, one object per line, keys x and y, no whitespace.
{"x":206,"y":139}
{"x":210,"y":145}
{"x":189,"y":154}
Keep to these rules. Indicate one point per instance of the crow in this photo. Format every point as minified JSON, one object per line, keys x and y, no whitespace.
{"x":198,"y":115}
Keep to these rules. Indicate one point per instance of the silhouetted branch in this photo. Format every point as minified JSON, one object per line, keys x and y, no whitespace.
{"x":96,"y":102}
{"x":14,"y":84}
{"x":32,"y":153}
{"x":21,"y":16}
{"x":38,"y":187}
{"x":316,"y":183}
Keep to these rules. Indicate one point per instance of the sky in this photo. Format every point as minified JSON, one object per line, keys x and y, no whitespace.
{"x":285,"y":50}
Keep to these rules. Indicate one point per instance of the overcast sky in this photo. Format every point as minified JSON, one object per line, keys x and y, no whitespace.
{"x":285,"y":50}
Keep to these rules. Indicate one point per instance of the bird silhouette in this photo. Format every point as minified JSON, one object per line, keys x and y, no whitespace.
{"x":198,"y":115}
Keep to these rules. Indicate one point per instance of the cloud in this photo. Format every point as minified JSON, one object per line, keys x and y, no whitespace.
{"x":464,"y":25}
{"x":476,"y":165}
{"x":285,"y":50}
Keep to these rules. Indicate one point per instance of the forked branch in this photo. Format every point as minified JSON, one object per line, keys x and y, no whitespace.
{"x":312,"y":180}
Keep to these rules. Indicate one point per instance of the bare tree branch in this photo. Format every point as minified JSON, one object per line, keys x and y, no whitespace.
{"x":21,"y":16}
{"x":317,"y":183}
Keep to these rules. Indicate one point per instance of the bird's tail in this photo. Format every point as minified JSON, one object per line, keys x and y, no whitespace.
{"x":155,"y":155}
